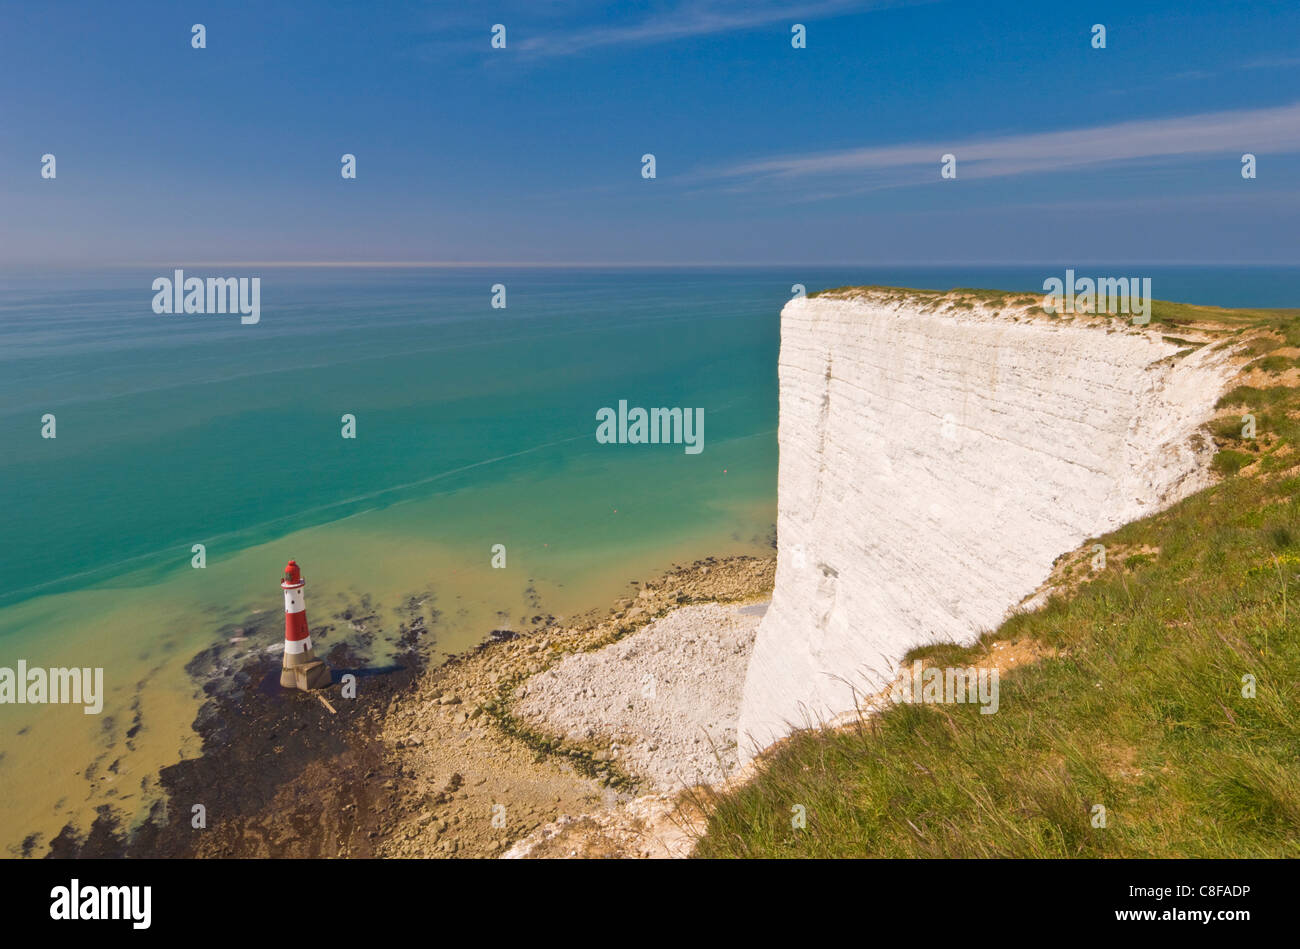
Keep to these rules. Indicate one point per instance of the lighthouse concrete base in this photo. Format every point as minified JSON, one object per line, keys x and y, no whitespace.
{"x":312,"y":675}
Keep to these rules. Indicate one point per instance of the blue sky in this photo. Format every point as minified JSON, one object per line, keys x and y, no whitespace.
{"x":765,"y":153}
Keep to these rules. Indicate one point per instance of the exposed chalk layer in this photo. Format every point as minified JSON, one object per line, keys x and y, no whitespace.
{"x":933,"y":464}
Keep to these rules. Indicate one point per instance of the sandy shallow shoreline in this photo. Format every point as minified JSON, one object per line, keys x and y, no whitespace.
{"x":427,"y":761}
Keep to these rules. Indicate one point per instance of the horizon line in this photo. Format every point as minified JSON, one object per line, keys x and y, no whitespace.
{"x":561,"y":265}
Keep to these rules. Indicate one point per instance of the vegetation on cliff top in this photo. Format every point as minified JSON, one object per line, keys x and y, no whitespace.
{"x":1142,"y":703}
{"x":1208,"y":320}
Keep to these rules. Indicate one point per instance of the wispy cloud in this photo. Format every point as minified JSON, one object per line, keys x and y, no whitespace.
{"x":1271,"y":130}
{"x":692,"y":19}
{"x":1274,"y":62}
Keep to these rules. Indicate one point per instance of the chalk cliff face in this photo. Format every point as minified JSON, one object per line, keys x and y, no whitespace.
{"x":934,"y":461}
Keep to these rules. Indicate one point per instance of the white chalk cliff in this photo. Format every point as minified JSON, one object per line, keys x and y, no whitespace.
{"x":934,"y":461}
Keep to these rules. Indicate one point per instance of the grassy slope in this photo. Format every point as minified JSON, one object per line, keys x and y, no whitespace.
{"x":1140,"y":710}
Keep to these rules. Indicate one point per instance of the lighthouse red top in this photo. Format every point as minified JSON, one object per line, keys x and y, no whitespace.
{"x":292,"y":576}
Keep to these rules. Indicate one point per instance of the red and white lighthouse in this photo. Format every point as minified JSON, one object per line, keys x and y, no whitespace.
{"x":301,"y":669}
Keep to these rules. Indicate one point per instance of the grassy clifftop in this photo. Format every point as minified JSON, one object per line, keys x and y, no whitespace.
{"x":1210,"y":319}
{"x":1164,"y":688}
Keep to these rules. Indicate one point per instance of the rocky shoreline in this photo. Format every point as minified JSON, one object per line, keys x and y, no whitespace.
{"x":427,"y":761}
{"x":478,"y":777}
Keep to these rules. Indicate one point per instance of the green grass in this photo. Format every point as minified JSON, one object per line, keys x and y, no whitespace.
{"x":1229,"y":462}
{"x":1273,"y":363}
{"x":1139,"y":707}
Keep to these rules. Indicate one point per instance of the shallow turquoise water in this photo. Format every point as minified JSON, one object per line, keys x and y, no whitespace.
{"x":175,"y":430}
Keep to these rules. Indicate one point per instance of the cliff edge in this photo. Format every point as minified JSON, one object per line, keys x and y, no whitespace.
{"x":937,"y":453}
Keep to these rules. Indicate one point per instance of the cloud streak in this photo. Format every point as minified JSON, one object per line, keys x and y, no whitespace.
{"x":692,"y":20}
{"x":1270,"y":130}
